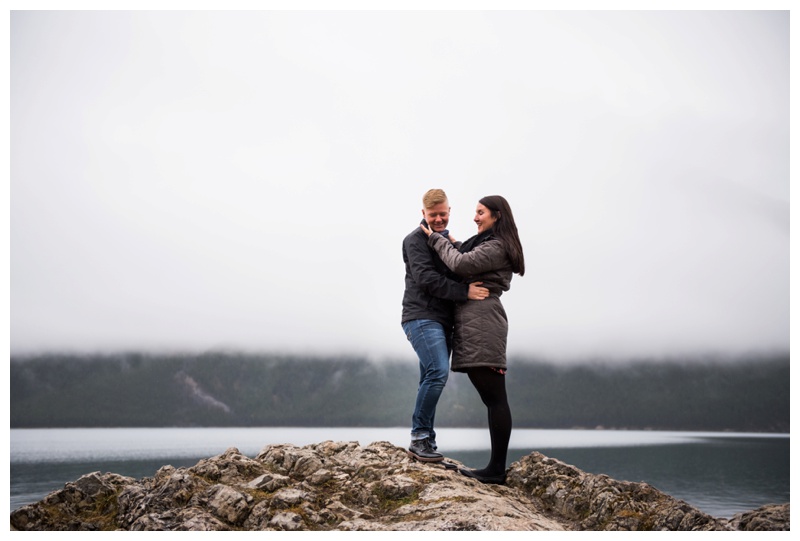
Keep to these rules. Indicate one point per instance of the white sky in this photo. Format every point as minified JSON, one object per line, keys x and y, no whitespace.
{"x":243,"y":180}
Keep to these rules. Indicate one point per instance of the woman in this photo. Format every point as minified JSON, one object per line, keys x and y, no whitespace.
{"x":481,"y":328}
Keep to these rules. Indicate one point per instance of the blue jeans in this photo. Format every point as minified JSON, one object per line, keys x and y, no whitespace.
{"x":432,"y":344}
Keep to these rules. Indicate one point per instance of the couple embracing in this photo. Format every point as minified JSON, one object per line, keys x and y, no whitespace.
{"x":452,"y":303}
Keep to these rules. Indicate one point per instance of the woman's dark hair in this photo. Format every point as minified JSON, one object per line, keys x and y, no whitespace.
{"x":505,"y":229}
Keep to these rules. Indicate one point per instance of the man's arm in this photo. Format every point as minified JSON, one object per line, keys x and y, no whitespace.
{"x":477,"y":293}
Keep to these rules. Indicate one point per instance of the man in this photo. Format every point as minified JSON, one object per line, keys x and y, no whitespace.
{"x":428,"y":304}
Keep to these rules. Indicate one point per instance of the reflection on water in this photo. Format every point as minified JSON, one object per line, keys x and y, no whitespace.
{"x":720,"y":474}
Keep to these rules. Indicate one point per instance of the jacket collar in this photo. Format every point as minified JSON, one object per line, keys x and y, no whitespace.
{"x":472,"y":242}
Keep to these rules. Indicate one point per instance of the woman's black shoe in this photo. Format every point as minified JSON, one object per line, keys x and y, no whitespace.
{"x":488,"y":479}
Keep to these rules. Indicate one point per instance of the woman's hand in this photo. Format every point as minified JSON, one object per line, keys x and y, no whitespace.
{"x":429,"y":232}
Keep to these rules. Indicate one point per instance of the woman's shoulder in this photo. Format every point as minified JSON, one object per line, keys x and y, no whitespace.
{"x":491,"y":244}
{"x":492,"y":250}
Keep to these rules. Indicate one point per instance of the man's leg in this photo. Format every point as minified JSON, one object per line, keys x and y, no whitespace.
{"x":429,"y":340}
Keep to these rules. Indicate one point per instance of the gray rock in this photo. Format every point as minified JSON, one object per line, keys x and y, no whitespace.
{"x":766,"y":518}
{"x":288,"y":497}
{"x":320,"y":477}
{"x":343,"y":486}
{"x":228,"y":504}
{"x":597,"y":502}
{"x":287,"y":521}
{"x":269,"y":482}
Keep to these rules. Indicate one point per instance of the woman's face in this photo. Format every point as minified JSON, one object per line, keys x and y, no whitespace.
{"x":483,"y":218}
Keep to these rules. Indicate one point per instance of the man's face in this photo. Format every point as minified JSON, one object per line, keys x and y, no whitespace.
{"x":437,"y":216}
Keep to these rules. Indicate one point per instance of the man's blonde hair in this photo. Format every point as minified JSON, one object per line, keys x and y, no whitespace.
{"x":433,"y":198}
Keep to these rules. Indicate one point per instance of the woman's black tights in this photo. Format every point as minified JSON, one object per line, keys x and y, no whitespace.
{"x":491,"y":386}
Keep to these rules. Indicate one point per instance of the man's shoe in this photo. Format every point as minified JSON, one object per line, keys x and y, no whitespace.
{"x":421,"y":450}
{"x":488,"y":479}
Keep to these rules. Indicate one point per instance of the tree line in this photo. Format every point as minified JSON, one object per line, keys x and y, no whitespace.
{"x":232,"y":389}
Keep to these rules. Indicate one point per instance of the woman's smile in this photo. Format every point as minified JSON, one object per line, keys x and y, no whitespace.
{"x":483,"y":218}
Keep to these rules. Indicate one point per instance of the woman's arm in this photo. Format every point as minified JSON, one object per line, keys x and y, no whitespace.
{"x":489,"y":255}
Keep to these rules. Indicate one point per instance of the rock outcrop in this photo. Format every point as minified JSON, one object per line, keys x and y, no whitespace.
{"x":343,"y":486}
{"x":763,"y":519}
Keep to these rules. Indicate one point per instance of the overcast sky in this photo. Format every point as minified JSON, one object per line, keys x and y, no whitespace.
{"x":243,"y":180}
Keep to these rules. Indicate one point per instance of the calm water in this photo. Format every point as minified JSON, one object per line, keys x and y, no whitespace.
{"x":719,"y":473}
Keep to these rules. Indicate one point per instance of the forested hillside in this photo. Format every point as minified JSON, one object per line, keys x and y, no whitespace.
{"x":228,"y":389}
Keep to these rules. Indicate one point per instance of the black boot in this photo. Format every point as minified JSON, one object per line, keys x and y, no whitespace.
{"x":483,"y":477}
{"x":421,"y":450}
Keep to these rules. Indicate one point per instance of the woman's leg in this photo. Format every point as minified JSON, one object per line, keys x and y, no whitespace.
{"x":491,"y":386}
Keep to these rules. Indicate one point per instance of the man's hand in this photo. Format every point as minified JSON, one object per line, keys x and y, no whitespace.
{"x":477,"y":293}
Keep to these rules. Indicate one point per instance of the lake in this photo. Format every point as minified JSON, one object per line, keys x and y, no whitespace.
{"x":719,"y":473}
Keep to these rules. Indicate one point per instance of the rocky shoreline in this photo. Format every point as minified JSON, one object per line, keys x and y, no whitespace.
{"x":344,"y":486}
